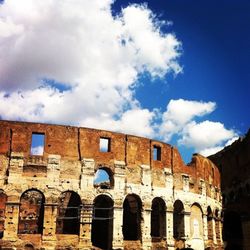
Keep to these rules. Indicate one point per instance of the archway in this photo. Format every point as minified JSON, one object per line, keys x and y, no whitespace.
{"x":104,"y":178}
{"x":31,"y":212}
{"x":158,"y":218}
{"x":196,"y":222}
{"x":102,"y":222}
{"x":179,"y":230}
{"x":68,"y":213}
{"x":3,"y":199}
{"x":132,"y":217}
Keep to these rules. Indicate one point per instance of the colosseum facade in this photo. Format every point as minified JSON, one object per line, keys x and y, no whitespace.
{"x":147,"y":198}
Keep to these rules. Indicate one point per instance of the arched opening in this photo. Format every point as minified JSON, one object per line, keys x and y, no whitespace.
{"x":209,"y":224}
{"x":104,"y":178}
{"x":31,"y":212}
{"x":158,"y":219}
{"x":28,"y":247}
{"x":179,"y":230}
{"x":232,"y":231}
{"x":3,"y":199}
{"x":196,"y":223}
{"x":68,"y":213}
{"x":132,"y":217}
{"x":102,"y":222}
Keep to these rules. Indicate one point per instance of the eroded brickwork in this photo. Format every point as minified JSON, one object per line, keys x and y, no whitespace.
{"x":151,"y":199}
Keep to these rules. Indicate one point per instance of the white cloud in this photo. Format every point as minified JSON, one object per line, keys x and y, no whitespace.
{"x":205,"y":135}
{"x":37,"y":150}
{"x":95,"y":56}
{"x":180,"y":112}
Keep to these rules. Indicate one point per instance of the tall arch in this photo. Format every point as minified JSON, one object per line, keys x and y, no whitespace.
{"x":68,"y":213}
{"x":158,"y":218}
{"x":209,"y":223}
{"x":132,"y":216}
{"x":179,"y":228}
{"x":196,"y":222}
{"x":102,"y":222}
{"x":3,"y":200}
{"x":31,"y":212}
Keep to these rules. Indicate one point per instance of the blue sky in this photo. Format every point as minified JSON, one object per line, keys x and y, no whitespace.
{"x":117,"y":66}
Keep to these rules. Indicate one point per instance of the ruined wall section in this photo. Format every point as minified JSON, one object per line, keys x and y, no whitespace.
{"x":72,"y":156}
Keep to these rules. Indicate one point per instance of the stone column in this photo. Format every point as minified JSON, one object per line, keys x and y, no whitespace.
{"x":170,"y":227}
{"x":88,"y":171}
{"x":86,"y":215}
{"x":146,"y":179}
{"x":119,"y":177}
{"x":214,"y":231}
{"x":11,"y":221}
{"x":146,"y":226}
{"x":49,"y":223}
{"x":117,"y":227}
{"x":187,"y":224}
{"x":16,"y":168}
{"x":53,"y":170}
{"x":205,"y":231}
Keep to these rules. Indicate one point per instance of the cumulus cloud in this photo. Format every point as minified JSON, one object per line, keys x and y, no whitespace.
{"x":93,"y":56}
{"x":205,"y":137}
{"x":205,"y":134}
{"x":180,"y":112}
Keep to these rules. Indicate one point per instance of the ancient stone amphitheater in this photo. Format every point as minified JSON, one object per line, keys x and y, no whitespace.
{"x":83,"y":188}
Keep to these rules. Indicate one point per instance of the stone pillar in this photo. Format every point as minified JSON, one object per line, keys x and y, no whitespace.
{"x":53,"y":170}
{"x":11,"y":221}
{"x":117,"y":227}
{"x":146,"y":179}
{"x":88,"y":171}
{"x":205,"y":231}
{"x":49,"y":231}
{"x":170,"y":227}
{"x":119,"y":177}
{"x":146,"y":227}
{"x":214,"y":231}
{"x":16,"y":168}
{"x":86,"y":215}
{"x":187,"y":224}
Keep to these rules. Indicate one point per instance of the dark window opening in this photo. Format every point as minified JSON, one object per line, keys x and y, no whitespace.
{"x":3,"y":199}
{"x":209,"y":224}
{"x":68,"y":213}
{"x":104,"y":178}
{"x":105,"y":144}
{"x":157,"y":153}
{"x":37,"y":144}
{"x":132,"y":217}
{"x":102,"y":222}
{"x":158,"y":218}
{"x":178,"y":220}
{"x":31,"y":212}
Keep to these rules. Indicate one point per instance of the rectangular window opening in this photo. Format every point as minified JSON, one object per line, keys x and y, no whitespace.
{"x":104,"y":144}
{"x":37,"y":144}
{"x":157,"y":153}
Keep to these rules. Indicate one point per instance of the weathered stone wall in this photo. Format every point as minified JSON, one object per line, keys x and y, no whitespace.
{"x":75,"y":211}
{"x":234,"y":164}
